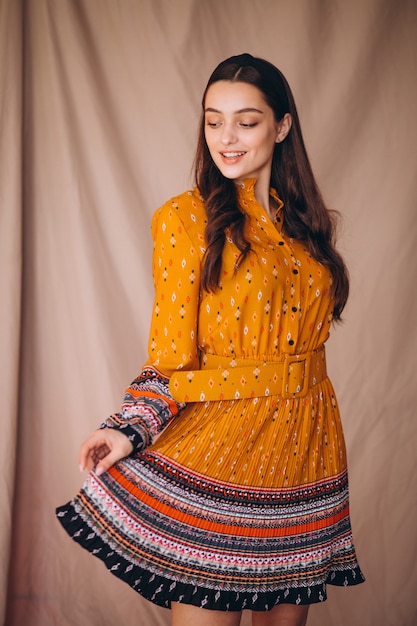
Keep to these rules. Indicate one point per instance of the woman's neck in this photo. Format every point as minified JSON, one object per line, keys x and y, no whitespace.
{"x":264,"y":198}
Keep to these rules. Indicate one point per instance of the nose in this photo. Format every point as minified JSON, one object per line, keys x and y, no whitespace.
{"x":228,"y":134}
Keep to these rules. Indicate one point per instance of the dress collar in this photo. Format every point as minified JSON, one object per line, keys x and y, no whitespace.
{"x":247,"y":189}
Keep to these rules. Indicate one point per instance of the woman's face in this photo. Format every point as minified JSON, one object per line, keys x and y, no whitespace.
{"x":240,"y":130}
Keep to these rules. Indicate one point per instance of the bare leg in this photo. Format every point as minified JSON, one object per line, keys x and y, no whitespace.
{"x":282,"y":615}
{"x":188,"y":615}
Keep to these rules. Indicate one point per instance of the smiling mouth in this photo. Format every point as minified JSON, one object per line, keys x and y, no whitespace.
{"x":232,"y":155}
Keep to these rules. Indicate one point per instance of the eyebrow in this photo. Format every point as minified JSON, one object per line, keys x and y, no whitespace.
{"x":247,"y":110}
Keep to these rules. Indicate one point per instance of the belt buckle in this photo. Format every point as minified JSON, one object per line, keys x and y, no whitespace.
{"x":296,"y":377}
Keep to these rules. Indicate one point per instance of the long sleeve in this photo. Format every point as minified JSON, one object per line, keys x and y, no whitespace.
{"x":148,"y":404}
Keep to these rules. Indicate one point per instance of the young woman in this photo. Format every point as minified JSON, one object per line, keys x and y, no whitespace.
{"x":241,"y":502}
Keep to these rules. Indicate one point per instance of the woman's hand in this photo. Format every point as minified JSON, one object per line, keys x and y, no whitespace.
{"x":103,"y":448}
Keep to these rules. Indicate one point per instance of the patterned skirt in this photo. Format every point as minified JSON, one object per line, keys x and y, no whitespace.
{"x":175,"y":535}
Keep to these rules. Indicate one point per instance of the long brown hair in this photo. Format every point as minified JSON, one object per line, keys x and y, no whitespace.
{"x":306,"y":216}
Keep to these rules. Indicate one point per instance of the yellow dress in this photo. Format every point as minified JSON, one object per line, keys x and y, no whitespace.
{"x":236,"y":495}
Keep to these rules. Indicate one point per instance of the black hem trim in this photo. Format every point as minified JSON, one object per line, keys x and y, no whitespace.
{"x":162,"y":591}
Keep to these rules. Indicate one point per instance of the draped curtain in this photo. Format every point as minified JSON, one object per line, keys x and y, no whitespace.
{"x":99,"y":107}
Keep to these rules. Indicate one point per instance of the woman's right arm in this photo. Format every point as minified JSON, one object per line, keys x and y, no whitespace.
{"x":148,"y":405}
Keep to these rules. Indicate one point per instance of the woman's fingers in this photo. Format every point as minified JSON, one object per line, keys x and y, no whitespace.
{"x":102,"y":449}
{"x":100,"y":453}
{"x":111,"y":458}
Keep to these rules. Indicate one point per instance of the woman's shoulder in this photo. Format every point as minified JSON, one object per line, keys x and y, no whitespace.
{"x":185,"y":212}
{"x":187,"y":207}
{"x":185,"y":202}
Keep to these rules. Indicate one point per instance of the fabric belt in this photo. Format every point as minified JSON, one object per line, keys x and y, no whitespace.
{"x":223,"y":378}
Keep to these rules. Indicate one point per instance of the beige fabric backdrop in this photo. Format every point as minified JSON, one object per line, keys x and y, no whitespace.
{"x":99,"y":102}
